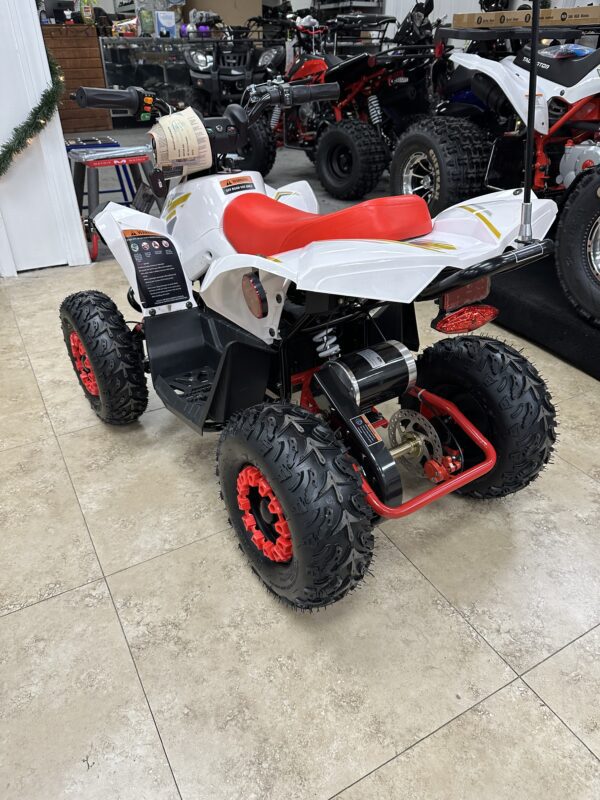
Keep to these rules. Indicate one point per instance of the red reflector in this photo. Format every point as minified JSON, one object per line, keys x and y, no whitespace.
{"x":255,"y":295}
{"x":588,"y":164}
{"x":465,"y":319}
{"x":464,"y":295}
{"x":439,"y":49}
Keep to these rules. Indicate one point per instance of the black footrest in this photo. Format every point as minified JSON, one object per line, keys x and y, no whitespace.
{"x":205,"y":367}
{"x":187,"y":395}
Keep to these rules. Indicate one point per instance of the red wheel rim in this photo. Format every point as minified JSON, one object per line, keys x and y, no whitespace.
{"x":263,"y":516}
{"x":82,"y":364}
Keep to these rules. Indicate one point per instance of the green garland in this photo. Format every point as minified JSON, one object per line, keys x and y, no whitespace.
{"x":36,"y":121}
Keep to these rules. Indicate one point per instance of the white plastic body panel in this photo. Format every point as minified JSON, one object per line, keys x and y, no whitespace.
{"x":514,"y":82}
{"x":193,"y":219}
{"x":193,"y":213}
{"x":112,"y":222}
{"x":462,"y":235}
{"x":395,"y":271}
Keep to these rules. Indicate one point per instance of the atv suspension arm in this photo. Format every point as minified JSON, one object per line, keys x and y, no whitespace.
{"x":442,"y":406}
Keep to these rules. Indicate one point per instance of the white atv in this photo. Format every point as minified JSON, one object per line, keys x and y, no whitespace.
{"x":477,"y":142}
{"x":302,"y":324}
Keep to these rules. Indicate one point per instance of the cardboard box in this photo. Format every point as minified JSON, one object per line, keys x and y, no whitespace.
{"x":581,"y":15}
{"x":493,"y":19}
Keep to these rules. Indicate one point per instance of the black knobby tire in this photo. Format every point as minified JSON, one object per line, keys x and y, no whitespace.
{"x":457,"y":151}
{"x":115,"y":356}
{"x":350,"y":159}
{"x":403,"y":123}
{"x":578,"y":273}
{"x":261,"y":149}
{"x":503,"y":395}
{"x":316,"y":482}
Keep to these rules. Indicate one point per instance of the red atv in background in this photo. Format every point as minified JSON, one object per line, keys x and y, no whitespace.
{"x":351,"y":140}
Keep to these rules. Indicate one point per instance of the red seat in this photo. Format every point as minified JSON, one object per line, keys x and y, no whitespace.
{"x":258,"y":225}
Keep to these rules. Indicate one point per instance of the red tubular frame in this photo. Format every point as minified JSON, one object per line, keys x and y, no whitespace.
{"x":410,"y":506}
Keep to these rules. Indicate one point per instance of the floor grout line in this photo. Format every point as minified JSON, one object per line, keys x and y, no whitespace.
{"x":560,"y":719}
{"x":579,"y":469}
{"x":120,"y":622}
{"x":458,"y":611}
{"x":472,"y":626}
{"x":559,"y":650}
{"x":167,"y":552}
{"x":33,"y":442}
{"x":143,"y":688}
{"x":111,"y":574}
{"x":35,"y":603}
{"x":427,"y":736}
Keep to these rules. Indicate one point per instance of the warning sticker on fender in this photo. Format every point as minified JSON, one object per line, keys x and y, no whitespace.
{"x":365,"y":430}
{"x":240,"y":183}
{"x":158,"y":269}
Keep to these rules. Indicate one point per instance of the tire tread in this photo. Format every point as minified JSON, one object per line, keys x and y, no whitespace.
{"x":113,"y":354}
{"x":312,"y":465}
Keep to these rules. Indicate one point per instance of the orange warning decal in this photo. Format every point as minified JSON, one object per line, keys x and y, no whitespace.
{"x":129,"y":233}
{"x":240,"y":183}
{"x":365,"y":430}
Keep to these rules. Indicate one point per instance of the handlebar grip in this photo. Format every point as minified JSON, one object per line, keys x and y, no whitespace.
{"x":116,"y":99}
{"x":314,"y":93}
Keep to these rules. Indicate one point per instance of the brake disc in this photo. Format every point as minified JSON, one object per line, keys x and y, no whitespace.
{"x":406,"y":421}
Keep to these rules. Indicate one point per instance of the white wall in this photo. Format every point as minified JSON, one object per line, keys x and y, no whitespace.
{"x":40,"y":224}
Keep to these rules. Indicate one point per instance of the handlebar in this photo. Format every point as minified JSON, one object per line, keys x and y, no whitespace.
{"x":288,"y":95}
{"x":116,"y":99}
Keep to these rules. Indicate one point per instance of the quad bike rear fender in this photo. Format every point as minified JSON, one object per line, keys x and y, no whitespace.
{"x":391,"y":271}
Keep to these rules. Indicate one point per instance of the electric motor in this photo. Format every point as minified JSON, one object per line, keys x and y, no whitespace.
{"x":376,"y":373}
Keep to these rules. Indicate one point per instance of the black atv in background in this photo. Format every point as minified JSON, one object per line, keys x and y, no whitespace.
{"x":222,"y":67}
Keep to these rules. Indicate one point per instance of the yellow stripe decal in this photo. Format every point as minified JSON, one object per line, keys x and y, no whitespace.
{"x":487,"y":222}
{"x":178,"y":201}
{"x":481,"y":216}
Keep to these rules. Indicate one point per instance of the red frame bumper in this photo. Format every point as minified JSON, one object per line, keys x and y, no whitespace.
{"x":441,"y":406}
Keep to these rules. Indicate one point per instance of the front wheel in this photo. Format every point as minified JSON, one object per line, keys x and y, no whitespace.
{"x":106,"y":357}
{"x":578,"y":248}
{"x":503,"y":395}
{"x":350,"y":158}
{"x":295,"y":500}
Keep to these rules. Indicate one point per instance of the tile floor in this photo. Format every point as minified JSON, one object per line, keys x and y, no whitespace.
{"x":140,"y":659}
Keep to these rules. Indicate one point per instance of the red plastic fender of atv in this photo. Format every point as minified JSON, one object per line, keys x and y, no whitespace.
{"x":450,"y":484}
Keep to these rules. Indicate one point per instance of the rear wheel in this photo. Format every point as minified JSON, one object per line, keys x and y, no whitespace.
{"x":442,"y":159}
{"x":106,"y":357}
{"x":295,"y":501}
{"x":502,"y":394}
{"x":350,"y":158}
{"x":578,"y":248}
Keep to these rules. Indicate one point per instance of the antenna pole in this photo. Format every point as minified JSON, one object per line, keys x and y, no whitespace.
{"x":526,"y":234}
